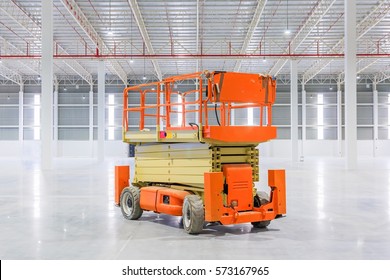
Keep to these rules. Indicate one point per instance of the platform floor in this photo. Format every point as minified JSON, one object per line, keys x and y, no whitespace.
{"x":68,"y":213}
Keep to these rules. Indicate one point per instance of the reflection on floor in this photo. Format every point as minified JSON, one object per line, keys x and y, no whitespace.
{"x":68,"y":213}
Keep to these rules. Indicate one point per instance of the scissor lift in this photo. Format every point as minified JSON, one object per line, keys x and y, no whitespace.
{"x":203,"y":170}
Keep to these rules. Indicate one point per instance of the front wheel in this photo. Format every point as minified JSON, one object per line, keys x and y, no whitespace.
{"x":130,"y":203}
{"x":261,"y":198}
{"x":193,"y":214}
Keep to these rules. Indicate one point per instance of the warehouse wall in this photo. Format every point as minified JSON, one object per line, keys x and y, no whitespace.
{"x":75,"y":134}
{"x":324,"y":148}
{"x":275,"y":148}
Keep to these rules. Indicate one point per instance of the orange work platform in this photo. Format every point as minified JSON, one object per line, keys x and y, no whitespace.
{"x":212,"y":101}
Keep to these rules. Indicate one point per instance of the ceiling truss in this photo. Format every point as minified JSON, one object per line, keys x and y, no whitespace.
{"x":320,"y":10}
{"x":11,"y":75}
{"x":144,"y":33}
{"x":14,"y":11}
{"x":84,"y":23}
{"x":177,"y":37}
{"x":374,"y":17}
{"x":252,"y":27}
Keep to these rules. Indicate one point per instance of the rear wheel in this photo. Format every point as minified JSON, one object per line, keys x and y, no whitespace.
{"x":193,"y":214}
{"x":261,"y":198}
{"x":130,"y":203}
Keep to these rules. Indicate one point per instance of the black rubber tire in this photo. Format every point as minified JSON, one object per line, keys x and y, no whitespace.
{"x":193,"y":214}
{"x":129,"y":201}
{"x":260,"y":198}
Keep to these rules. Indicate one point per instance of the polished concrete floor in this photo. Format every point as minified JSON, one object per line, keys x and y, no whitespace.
{"x":68,"y":213}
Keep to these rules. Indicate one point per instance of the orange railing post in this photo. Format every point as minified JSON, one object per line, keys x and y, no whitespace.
{"x":229,"y":114}
{"x":183,"y":111}
{"x":200,"y":101}
{"x":158,"y":106}
{"x":168,"y":104}
{"x":125,"y":112}
{"x":142,"y":113}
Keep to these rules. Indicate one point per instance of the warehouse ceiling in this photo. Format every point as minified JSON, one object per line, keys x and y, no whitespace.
{"x":156,"y":39}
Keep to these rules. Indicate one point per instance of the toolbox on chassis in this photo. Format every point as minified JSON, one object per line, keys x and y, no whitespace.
{"x":190,"y":160}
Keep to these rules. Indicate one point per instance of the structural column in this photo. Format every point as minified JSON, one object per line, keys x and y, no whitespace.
{"x":339,"y":119}
{"x":91,"y":119}
{"x":101,"y":109}
{"x":375,"y":109}
{"x":294,"y":111}
{"x":55,"y":118}
{"x":21,"y":113}
{"x":303,"y":121}
{"x":47,"y":85}
{"x":162,"y":108}
{"x":350,"y":84}
{"x":197,"y":96}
